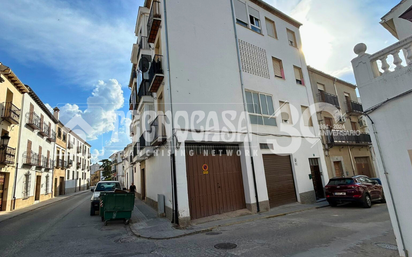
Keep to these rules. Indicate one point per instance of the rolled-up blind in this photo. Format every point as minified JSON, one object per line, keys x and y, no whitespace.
{"x":253,"y":12}
{"x":240,"y":10}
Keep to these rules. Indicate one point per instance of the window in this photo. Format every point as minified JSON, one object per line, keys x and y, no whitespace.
{"x":291,"y":38}
{"x":64,"y":136}
{"x":26,"y":187}
{"x":328,"y":122}
{"x":241,"y":14}
{"x":59,"y":132}
{"x":321,"y":87}
{"x":47,"y":184}
{"x":354,"y":126}
{"x":68,"y":175}
{"x":298,"y":75}
{"x":285,"y":112}
{"x":254,"y":20}
{"x":72,"y":174}
{"x":307,"y":119}
{"x":260,"y":108}
{"x":278,"y":68}
{"x":271,"y":28}
{"x":265,"y":146}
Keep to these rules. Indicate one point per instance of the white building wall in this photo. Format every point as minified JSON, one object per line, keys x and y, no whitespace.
{"x":26,"y":134}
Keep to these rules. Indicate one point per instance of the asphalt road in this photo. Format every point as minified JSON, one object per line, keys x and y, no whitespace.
{"x":66,"y":229}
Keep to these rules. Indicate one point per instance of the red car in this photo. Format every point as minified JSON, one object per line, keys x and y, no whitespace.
{"x":358,"y":189}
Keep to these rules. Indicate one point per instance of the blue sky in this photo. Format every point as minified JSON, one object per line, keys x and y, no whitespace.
{"x":75,"y":54}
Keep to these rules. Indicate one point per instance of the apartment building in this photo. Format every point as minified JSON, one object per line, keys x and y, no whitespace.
{"x":62,"y":160}
{"x":384,"y":82}
{"x":78,"y":174}
{"x":117,"y":167}
{"x":95,"y":174}
{"x":127,"y":165}
{"x":11,"y":100}
{"x":36,"y":150}
{"x":237,"y":84}
{"x":346,"y":140}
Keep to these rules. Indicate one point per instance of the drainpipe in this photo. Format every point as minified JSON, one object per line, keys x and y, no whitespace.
{"x":389,"y":185}
{"x":244,"y":106}
{"x":175,"y":206}
{"x":351,"y":160}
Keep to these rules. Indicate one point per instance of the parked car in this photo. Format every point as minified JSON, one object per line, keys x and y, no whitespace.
{"x":359,"y":189}
{"x":102,"y":186}
{"x":377,"y":180}
{"x":92,"y":188}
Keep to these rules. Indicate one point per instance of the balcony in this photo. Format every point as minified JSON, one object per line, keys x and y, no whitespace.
{"x":33,"y":120}
{"x":156,"y":75}
{"x":7,"y":155}
{"x":145,"y":148}
{"x":159,"y":130}
{"x":11,"y":113}
{"x":30,"y":158}
{"x":69,"y":145}
{"x":79,"y":149}
{"x":144,"y":46}
{"x":344,"y":137}
{"x":155,"y":19}
{"x":48,"y":164}
{"x":69,"y":163}
{"x":328,"y":98}
{"x":143,"y":91}
{"x":52,"y":136}
{"x":44,"y":129}
{"x":353,"y":108}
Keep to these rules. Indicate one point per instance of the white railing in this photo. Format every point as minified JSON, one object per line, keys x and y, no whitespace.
{"x":404,"y":47}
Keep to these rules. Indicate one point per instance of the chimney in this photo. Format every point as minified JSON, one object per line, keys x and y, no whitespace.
{"x":56,"y":113}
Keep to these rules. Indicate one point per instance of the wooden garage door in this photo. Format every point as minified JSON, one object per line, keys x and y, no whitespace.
{"x":362,"y":166}
{"x":215,"y":183}
{"x":279,"y":179}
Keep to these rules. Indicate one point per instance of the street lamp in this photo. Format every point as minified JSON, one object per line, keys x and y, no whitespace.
{"x":4,"y":140}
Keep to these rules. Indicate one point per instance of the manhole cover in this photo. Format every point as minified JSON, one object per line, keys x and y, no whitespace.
{"x":213,"y":233}
{"x":225,"y":246}
{"x":388,"y":246}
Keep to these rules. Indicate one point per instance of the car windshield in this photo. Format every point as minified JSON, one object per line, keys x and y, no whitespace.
{"x":107,"y":186}
{"x":341,"y":181}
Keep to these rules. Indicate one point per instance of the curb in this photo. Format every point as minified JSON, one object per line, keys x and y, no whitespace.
{"x":225,"y":225}
{"x":50,"y":203}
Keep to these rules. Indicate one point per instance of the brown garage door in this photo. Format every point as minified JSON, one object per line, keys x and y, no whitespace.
{"x":363,"y":167}
{"x":215,"y":183}
{"x":279,"y":179}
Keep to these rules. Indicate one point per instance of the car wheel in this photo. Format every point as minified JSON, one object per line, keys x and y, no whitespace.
{"x":333,"y":204}
{"x":367,"y":201}
{"x":383,"y":200}
{"x":92,"y":211}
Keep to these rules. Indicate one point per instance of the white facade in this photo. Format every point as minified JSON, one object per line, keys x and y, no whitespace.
{"x":35,"y":152}
{"x":117,"y":167}
{"x":203,"y":77}
{"x":127,"y":166}
{"x":385,"y":89}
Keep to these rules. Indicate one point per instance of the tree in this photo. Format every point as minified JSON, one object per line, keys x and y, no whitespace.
{"x":107,"y":169}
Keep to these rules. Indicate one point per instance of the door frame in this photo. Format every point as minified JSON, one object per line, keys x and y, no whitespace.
{"x":3,"y":200}
{"x":336,"y":159}
{"x":37,"y":192}
{"x":320,"y":176}
{"x":143,"y":183}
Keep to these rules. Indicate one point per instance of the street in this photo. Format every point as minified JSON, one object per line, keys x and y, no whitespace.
{"x":65,"y":228}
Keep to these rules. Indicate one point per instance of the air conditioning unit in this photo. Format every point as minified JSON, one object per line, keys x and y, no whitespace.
{"x":341,"y":119}
{"x":362,"y":122}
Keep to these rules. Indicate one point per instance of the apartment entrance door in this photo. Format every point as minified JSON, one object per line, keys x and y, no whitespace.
{"x":363,"y":167}
{"x":143,"y":183}
{"x":2,"y":182}
{"x":61,"y":185}
{"x":55,"y":187}
{"x":316,"y":178}
{"x":38,"y":186}
{"x":338,"y":169}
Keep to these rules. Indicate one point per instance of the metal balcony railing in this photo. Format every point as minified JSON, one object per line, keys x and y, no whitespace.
{"x":135,"y":149}
{"x":44,"y":129}
{"x":30,"y":158}
{"x":79,"y":149}
{"x":156,"y":75}
{"x":143,"y":91}
{"x":142,"y":142}
{"x":155,"y":18}
{"x":52,"y":136}
{"x":344,"y":137}
{"x":353,"y":107}
{"x":33,"y":120}
{"x":328,"y":98}
{"x":48,"y":163}
{"x":159,"y":130}
{"x":11,"y":113}
{"x":69,"y":163}
{"x":7,"y":155}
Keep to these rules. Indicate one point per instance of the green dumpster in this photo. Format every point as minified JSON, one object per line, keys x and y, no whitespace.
{"x":117,"y":206}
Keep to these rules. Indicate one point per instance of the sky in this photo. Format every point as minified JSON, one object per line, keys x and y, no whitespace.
{"x":75,"y":54}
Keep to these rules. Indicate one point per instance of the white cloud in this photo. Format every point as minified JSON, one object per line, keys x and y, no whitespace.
{"x":101,"y":111}
{"x":82,"y":46}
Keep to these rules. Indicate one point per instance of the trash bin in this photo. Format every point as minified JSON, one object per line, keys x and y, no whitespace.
{"x":117,"y":206}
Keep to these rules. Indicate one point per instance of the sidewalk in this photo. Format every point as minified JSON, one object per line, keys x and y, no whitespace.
{"x":11,"y":214}
{"x":146,"y":224}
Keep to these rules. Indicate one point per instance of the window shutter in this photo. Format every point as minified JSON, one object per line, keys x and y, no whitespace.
{"x":321,"y":87}
{"x":291,"y":38}
{"x":285,"y":112}
{"x":41,"y":121}
{"x":297,"y":73}
{"x":240,"y":10}
{"x":39,"y":156}
{"x":31,"y":113}
{"x":28,"y":153}
{"x":277,"y":67}
{"x":254,"y":12}
{"x":270,"y":28}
